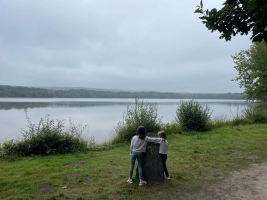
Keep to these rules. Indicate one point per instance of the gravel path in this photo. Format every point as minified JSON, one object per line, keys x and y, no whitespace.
{"x":250,"y":184}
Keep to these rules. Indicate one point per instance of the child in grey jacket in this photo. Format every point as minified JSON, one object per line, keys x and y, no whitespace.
{"x":138,"y":147}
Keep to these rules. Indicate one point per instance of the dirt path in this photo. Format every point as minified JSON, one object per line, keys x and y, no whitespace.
{"x":248,"y":184}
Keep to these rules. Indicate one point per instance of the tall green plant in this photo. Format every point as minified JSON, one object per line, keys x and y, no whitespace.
{"x":46,"y":138}
{"x":192,"y":116}
{"x":140,"y":114}
{"x":251,"y":65}
{"x":256,"y":113}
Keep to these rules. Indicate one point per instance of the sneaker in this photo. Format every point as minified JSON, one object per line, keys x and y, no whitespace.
{"x":168,"y":177}
{"x":130,"y":181}
{"x":141,"y":183}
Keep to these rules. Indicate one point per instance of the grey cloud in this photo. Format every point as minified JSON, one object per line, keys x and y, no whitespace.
{"x":114,"y":44}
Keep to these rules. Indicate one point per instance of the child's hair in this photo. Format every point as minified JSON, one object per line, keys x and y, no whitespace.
{"x":162,"y":134}
{"x":141,"y":131}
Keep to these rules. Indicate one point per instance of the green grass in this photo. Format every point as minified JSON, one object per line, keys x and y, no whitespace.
{"x":194,"y":161}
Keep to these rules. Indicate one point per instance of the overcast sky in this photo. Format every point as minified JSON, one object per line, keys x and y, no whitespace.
{"x":115,"y":44}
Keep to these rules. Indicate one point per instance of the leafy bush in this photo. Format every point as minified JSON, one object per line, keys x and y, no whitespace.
{"x":192,"y":116}
{"x":219,"y":121}
{"x":256,"y":114}
{"x":48,"y":137}
{"x":139,"y":114}
{"x":240,"y":118}
{"x":171,"y":128}
{"x":253,"y":114}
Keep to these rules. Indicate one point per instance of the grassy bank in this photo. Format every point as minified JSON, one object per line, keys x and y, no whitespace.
{"x":193,"y":161}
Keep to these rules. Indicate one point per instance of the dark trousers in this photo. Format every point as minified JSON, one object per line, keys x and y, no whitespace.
{"x":163,"y":159}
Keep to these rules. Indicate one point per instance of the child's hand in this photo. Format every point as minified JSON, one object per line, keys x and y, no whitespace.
{"x":163,"y":139}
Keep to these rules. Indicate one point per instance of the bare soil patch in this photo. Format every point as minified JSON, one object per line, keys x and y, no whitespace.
{"x":116,"y":196}
{"x":72,"y":165}
{"x":234,"y":149}
{"x":253,"y":157}
{"x":66,"y":198}
{"x":73,"y":175}
{"x":112,"y":163}
{"x":250,"y":184}
{"x":46,"y":188}
{"x":88,"y":179}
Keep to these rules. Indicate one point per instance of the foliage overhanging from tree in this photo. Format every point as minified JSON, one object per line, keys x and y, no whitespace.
{"x":251,"y":65}
{"x":237,"y":16}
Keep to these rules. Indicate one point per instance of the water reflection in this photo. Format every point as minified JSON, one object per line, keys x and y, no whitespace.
{"x":22,"y":105}
{"x":81,"y":104}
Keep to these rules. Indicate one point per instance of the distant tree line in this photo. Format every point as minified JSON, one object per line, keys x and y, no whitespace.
{"x":30,"y":92}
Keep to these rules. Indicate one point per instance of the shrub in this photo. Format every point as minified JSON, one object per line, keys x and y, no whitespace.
{"x":171,"y":128}
{"x":219,"y":121}
{"x":253,"y":114}
{"x":240,"y":121}
{"x":139,"y":114}
{"x":256,"y":114}
{"x":192,"y":116}
{"x":48,"y":137}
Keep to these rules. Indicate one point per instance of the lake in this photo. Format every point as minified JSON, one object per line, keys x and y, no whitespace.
{"x":100,"y":115}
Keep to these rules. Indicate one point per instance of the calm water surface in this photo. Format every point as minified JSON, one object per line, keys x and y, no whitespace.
{"x":100,"y":115}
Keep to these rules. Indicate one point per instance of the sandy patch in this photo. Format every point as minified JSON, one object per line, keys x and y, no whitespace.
{"x":248,"y":184}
